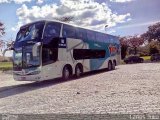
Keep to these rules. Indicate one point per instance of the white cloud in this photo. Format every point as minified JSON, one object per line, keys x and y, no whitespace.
{"x":16,"y":1}
{"x":121,"y":1}
{"x":21,"y":1}
{"x":4,"y":1}
{"x":87,"y":13}
{"x":138,"y":24}
{"x":111,"y":31}
{"x":40,"y":1}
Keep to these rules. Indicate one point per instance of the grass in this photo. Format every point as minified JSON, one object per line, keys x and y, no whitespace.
{"x":4,"y":66}
{"x":146,"y":58}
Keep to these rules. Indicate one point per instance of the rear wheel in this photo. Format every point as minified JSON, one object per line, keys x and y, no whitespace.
{"x":109,"y":65}
{"x":66,"y":73}
{"x":113,"y":65}
{"x":78,"y":71}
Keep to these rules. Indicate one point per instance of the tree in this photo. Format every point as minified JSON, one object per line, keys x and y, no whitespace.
{"x":153,"y":33}
{"x":2,"y":29}
{"x":153,"y":50}
{"x":2,"y":32}
{"x":134,"y":42}
{"x":65,"y":19}
{"x":154,"y":47}
{"x":130,"y":41}
{"x":124,"y":46}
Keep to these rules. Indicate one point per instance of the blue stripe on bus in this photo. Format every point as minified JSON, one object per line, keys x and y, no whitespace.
{"x":95,"y":64}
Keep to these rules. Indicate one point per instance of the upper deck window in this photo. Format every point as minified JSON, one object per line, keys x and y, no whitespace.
{"x":91,"y":35}
{"x":81,"y":33}
{"x":52,"y":30}
{"x":69,"y":31}
{"x":30,"y":32}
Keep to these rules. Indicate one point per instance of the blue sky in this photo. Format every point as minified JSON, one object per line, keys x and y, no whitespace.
{"x":123,"y":17}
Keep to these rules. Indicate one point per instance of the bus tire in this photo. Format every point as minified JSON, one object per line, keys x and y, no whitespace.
{"x":114,"y":65}
{"x":109,"y":66}
{"x":78,"y":70}
{"x":66,"y":73}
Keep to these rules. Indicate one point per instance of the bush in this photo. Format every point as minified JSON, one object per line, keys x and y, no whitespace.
{"x":153,"y":50}
{"x":4,"y":60}
{"x":6,"y":66}
{"x":143,"y":54}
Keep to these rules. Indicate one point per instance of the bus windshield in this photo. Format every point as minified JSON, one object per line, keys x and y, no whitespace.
{"x":17,"y":60}
{"x":30,"y":32}
{"x":28,"y":59}
{"x":23,"y":59}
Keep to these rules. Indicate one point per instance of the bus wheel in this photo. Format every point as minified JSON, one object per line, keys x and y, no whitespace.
{"x":66,"y":73}
{"x":78,"y":71}
{"x":113,"y":65}
{"x":109,"y":65}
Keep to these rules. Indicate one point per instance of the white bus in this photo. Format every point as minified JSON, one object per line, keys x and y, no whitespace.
{"x":50,"y":49}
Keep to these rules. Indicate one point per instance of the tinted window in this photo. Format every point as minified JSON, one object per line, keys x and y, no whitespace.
{"x":107,"y":39}
{"x":88,"y":54}
{"x":52,"y":30}
{"x":99,"y":37}
{"x":81,"y":33}
{"x":69,"y":31}
{"x":91,"y":35}
{"x":30,"y":32}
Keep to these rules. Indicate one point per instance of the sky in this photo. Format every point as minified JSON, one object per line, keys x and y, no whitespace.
{"x":123,"y":17}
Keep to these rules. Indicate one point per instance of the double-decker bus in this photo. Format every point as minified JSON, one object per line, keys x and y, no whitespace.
{"x":50,"y":49}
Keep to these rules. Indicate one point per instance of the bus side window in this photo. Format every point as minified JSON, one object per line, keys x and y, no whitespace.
{"x":99,"y":37}
{"x":80,"y":54}
{"x":107,"y":39}
{"x":81,"y":34}
{"x":52,"y":30}
{"x":69,"y":31}
{"x":91,"y":35}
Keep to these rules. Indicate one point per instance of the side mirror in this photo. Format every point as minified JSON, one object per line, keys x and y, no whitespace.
{"x":34,"y":49}
{"x":5,"y":52}
{"x":8,"y":49}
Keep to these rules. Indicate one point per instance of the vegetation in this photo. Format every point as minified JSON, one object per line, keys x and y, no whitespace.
{"x":142,"y":45}
{"x":130,"y":42}
{"x":153,"y":33}
{"x":146,"y":58}
{"x":5,"y":66}
{"x":2,"y":29}
{"x":65,"y":19}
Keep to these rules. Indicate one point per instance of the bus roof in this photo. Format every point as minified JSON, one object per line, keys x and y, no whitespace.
{"x":66,"y":24}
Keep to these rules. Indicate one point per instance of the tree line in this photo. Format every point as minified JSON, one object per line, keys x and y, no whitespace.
{"x":147,"y":43}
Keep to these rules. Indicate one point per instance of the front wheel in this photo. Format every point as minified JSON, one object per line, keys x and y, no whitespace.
{"x":66,"y":73}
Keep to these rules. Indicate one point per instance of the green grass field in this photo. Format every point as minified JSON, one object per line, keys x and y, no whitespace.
{"x":5,"y":66}
{"x":146,"y":58}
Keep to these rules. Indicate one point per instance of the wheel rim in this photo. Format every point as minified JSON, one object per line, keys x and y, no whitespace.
{"x":78,"y":71}
{"x":114,"y":65}
{"x":109,"y":66}
{"x":66,"y":73}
